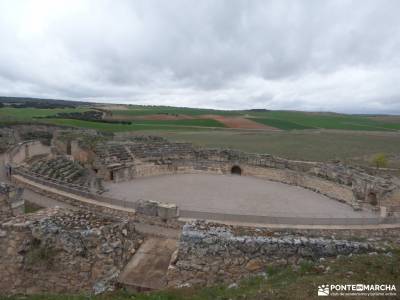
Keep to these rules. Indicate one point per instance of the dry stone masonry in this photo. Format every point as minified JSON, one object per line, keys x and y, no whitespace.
{"x":210,"y":253}
{"x":11,"y":202}
{"x":66,"y":251}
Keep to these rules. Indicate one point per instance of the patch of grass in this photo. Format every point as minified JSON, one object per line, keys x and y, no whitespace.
{"x":31,"y":207}
{"x":306,"y":267}
{"x":38,"y":255}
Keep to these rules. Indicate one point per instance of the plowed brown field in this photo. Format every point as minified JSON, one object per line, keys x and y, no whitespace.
{"x":238,"y":122}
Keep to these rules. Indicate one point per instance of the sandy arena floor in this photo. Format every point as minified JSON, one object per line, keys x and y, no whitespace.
{"x":233,"y":195}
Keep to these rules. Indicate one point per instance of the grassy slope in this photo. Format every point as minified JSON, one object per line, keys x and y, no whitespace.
{"x":280,"y":282}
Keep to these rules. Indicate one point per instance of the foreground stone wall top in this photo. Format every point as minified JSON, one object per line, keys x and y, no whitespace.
{"x":210,"y":253}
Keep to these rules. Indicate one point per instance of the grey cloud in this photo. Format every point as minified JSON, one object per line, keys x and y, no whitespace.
{"x":311,"y":54}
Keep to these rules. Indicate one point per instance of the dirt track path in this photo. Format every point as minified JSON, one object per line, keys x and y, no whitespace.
{"x":148,"y":267}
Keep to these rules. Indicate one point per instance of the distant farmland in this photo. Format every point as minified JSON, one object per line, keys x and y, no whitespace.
{"x":290,"y":134}
{"x":162,"y":117}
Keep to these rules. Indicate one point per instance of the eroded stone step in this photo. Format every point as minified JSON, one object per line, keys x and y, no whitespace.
{"x":148,"y":267}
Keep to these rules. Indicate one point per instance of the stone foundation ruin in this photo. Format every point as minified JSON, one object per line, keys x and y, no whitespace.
{"x":102,"y":237}
{"x":151,"y":156}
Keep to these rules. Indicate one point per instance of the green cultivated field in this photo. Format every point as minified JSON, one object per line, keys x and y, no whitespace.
{"x":280,"y":123}
{"x":139,"y":125}
{"x":139,"y":110}
{"x":194,"y":122}
{"x":301,"y":120}
{"x":25,"y":114}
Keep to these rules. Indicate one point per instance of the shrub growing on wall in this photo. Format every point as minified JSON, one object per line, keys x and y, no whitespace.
{"x":380,"y":160}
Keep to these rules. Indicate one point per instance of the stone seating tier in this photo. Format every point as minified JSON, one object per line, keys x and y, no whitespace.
{"x":61,"y":169}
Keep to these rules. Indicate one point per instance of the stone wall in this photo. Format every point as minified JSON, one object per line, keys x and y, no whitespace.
{"x":11,"y":202}
{"x":26,"y":150}
{"x":5,"y":208}
{"x":64,"y":251}
{"x":96,"y":203}
{"x":7,"y":138}
{"x":210,"y":253}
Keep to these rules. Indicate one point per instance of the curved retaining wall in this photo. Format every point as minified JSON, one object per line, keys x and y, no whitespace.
{"x":344,"y":183}
{"x":328,"y":188}
{"x":123,"y":208}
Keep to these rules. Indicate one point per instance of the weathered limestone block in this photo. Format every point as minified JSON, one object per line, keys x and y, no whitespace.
{"x":147,"y":207}
{"x":167,"y":211}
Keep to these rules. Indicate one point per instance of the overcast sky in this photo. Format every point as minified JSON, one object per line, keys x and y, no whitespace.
{"x":317,"y":55}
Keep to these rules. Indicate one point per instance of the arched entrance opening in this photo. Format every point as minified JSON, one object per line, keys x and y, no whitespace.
{"x":236,"y":170}
{"x":372,"y":199}
{"x":69,"y":148}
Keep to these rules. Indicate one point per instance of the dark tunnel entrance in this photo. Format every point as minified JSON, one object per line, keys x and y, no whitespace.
{"x":236,"y":170}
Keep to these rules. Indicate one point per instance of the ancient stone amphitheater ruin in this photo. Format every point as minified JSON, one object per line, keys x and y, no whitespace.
{"x":148,"y":213}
